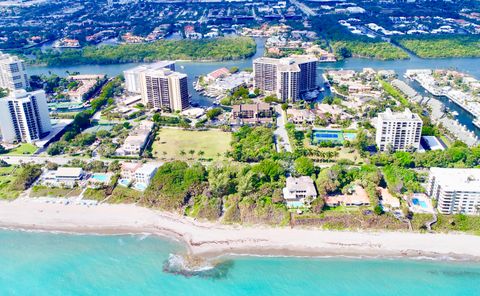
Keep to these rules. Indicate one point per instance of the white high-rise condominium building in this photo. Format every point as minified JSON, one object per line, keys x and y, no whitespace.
{"x":456,"y":190}
{"x":165,"y":89}
{"x":12,"y":72}
{"x":398,"y":131}
{"x":24,"y":116}
{"x":287,"y":78}
{"x":133,"y":76}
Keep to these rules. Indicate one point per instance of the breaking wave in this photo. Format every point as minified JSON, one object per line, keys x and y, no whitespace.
{"x":195,"y":266}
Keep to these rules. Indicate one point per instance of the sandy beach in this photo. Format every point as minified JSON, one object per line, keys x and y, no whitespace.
{"x":214,"y":239}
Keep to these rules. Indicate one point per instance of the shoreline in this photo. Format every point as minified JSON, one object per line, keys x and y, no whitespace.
{"x":214,"y":240}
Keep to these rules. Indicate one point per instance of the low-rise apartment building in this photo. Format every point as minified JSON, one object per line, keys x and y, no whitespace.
{"x":258,"y":113}
{"x":456,"y":190}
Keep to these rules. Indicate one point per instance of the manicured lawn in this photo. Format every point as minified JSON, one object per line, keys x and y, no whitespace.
{"x":344,"y":153}
{"x":170,"y":142}
{"x":23,"y":149}
{"x":40,"y":191}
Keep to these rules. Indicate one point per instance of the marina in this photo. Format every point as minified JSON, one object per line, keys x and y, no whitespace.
{"x":196,"y":69}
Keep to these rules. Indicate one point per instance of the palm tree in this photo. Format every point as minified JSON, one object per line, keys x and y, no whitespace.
{"x":201,"y":153}
{"x":182,"y":152}
{"x":191,"y":152}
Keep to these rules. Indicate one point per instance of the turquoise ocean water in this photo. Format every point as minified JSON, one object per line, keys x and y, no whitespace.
{"x":62,"y":264}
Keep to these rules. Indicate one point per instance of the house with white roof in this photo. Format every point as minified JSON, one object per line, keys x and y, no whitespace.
{"x":137,"y":140}
{"x":299,"y":191}
{"x":66,"y":174}
{"x":62,"y":177}
{"x":145,"y":173}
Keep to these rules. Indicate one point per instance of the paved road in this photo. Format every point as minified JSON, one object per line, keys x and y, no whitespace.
{"x":304,"y":8}
{"x":281,"y":136}
{"x":60,"y":160}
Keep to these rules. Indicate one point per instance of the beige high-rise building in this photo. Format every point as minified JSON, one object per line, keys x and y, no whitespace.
{"x":287,"y":78}
{"x":164,"y":89}
{"x":12,"y":73}
{"x":133,"y":76}
{"x":399,"y":131}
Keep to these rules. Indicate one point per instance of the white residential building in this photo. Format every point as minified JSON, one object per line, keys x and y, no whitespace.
{"x":136,"y":141}
{"x":133,"y":77}
{"x":129,"y":169}
{"x":12,"y":72}
{"x":67,"y":174}
{"x":287,"y":78}
{"x":299,"y":191}
{"x":145,"y":173}
{"x":398,"y":131}
{"x":24,"y":116}
{"x":456,"y":190}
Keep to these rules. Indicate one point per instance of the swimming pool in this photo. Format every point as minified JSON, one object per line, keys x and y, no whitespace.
{"x":140,"y":186}
{"x":349,"y":136}
{"x":421,"y":203}
{"x":124,"y":182}
{"x":295,"y":204}
{"x":98,"y":177}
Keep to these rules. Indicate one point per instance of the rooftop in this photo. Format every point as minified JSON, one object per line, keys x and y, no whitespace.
{"x":290,"y":63}
{"x":164,"y":72}
{"x":153,"y":66}
{"x":147,"y":168}
{"x":8,"y":58}
{"x":406,"y":115}
{"x":68,"y":172}
{"x":452,"y":179}
{"x":130,"y":166}
{"x":303,"y":183}
{"x":251,"y":107}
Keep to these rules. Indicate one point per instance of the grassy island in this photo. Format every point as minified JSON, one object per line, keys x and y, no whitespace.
{"x":212,"y":49}
{"x":442,"y":46}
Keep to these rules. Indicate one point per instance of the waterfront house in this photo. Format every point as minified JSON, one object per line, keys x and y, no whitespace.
{"x":356,"y":196}
{"x":128,"y":170}
{"x":145,"y":173}
{"x":299,"y":191}
{"x":387,"y":200}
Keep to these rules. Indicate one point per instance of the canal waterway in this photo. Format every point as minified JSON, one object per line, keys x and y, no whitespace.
{"x":195,"y":69}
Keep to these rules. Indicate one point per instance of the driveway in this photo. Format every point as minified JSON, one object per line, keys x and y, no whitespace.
{"x":281,"y":136}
